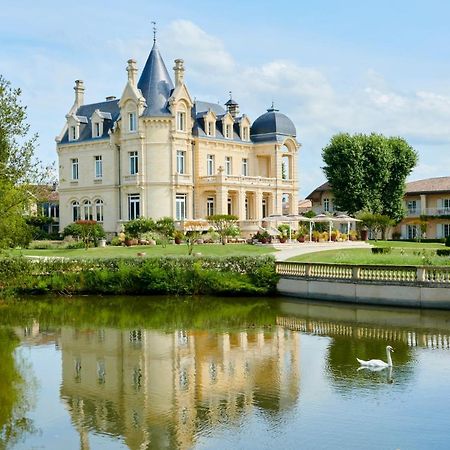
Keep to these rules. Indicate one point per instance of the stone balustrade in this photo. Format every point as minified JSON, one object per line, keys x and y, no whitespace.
{"x":410,"y":275}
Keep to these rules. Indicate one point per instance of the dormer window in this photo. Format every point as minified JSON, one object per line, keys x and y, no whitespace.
{"x":72,"y":133}
{"x":96,"y":129}
{"x":228,"y":131}
{"x":245,"y":134}
{"x":181,"y":121}
{"x":210,"y":128}
{"x":132,"y":123}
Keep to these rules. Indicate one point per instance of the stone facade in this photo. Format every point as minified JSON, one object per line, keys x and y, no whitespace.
{"x":156,"y":152}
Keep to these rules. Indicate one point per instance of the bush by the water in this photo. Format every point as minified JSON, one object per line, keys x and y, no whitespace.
{"x":381,"y":250}
{"x":169,"y":275}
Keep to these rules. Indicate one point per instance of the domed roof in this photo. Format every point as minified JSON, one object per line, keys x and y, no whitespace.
{"x":273,"y":122}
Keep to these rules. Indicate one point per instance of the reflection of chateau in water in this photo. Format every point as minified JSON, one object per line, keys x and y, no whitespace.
{"x":159,"y":389}
{"x":328,"y":328}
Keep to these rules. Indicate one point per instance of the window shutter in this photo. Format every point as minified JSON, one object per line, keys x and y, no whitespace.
{"x":404,"y":232}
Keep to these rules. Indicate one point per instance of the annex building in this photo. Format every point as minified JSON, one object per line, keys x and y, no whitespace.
{"x":156,"y":152}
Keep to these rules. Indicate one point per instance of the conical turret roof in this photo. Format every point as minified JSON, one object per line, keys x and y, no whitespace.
{"x":155,"y":84}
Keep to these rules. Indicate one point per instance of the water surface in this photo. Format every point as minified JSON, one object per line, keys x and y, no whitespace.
{"x":144,"y":373}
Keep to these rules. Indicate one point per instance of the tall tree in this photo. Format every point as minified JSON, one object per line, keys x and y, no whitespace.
{"x":20,"y":172}
{"x":368,"y":172}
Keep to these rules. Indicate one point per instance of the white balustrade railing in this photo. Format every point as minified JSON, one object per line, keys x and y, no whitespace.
{"x":412,"y":338}
{"x":370,"y":273}
{"x":437,"y":211}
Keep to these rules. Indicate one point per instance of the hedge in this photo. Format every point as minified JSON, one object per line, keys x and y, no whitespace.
{"x":166,"y":275}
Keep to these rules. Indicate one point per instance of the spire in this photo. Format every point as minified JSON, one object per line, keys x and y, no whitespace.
{"x":232,"y":106}
{"x":155,"y":83}
{"x":154,"y":32}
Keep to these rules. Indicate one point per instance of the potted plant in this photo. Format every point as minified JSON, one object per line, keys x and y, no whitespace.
{"x":283,"y":232}
{"x":178,"y":237}
{"x":335,"y":235}
{"x":301,"y":233}
{"x":353,"y":235}
{"x":316,"y":235}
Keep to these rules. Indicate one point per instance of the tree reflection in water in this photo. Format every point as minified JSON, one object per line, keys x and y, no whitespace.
{"x":16,"y":392}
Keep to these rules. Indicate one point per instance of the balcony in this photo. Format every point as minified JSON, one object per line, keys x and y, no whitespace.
{"x":413,"y":212}
{"x":232,"y":180}
{"x":437,"y":211}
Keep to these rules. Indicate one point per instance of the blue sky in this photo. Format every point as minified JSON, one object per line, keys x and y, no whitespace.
{"x":331,"y":66}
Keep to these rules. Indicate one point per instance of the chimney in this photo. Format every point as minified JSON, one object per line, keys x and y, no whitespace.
{"x":179,"y":72}
{"x":79,"y":93}
{"x":132,"y":72}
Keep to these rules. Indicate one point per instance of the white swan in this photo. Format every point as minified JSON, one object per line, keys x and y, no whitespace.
{"x":378,"y":363}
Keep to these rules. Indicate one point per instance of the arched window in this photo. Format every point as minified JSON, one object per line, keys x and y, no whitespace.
{"x":75,"y":211}
{"x":87,"y":210}
{"x":99,"y":210}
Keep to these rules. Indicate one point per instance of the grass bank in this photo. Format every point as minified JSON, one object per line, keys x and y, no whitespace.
{"x":402,"y":254}
{"x":149,"y":250}
{"x":246,"y":275}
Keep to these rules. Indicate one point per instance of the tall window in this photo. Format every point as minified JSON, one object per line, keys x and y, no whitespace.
{"x":181,"y":121}
{"x":228,"y":133}
{"x":134,"y":163}
{"x":98,"y":167}
{"x":412,"y":206}
{"x":132,"y":124}
{"x":245,"y":167}
{"x":75,"y":211}
{"x":264,"y":207}
{"x":180,"y":207}
{"x":229,"y":206}
{"x":74,"y":164}
{"x":210,"y":206}
{"x":87,"y":210}
{"x":210,"y":164}
{"x":446,"y":229}
{"x":413,"y":231}
{"x":181,"y":157}
{"x":210,"y":129}
{"x":326,"y":204}
{"x":228,"y":165}
{"x":134,"y":206}
{"x":446,"y":203}
{"x":99,"y":210}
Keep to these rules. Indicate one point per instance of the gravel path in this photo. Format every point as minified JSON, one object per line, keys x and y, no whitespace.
{"x":286,"y":251}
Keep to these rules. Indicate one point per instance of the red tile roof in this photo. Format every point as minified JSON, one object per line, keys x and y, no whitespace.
{"x":429,"y":185}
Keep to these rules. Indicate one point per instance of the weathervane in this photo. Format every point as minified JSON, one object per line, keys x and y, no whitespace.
{"x":231,"y":95}
{"x":154,"y":31}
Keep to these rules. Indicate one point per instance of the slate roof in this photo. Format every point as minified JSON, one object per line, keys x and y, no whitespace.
{"x":271,"y":126}
{"x":155,"y":84}
{"x":428,"y":186}
{"x":200,"y":109}
{"x":315,"y":194}
{"x":109,"y":110}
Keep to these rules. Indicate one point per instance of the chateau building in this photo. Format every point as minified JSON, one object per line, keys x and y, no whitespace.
{"x":426,"y":202}
{"x":156,"y":152}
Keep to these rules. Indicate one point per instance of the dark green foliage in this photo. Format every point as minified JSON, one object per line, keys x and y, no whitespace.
{"x":381,"y":250}
{"x":89,"y":231}
{"x":443,"y":252}
{"x":369,"y":172}
{"x":169,"y":275}
{"x":137,"y":227}
{"x":225,"y":225}
{"x":447,"y":241}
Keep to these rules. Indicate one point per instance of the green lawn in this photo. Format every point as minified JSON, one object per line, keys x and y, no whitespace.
{"x":170,"y":250}
{"x":406,"y":244}
{"x":410,"y":253}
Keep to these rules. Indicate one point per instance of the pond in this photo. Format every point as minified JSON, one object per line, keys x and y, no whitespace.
{"x":203,"y":373}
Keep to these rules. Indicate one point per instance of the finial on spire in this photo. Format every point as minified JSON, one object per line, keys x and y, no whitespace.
{"x":154,"y":31}
{"x":231,"y":95}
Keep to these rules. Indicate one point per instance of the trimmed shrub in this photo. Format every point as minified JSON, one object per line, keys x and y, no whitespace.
{"x":443,"y":252}
{"x":381,"y":250}
{"x":447,"y":241}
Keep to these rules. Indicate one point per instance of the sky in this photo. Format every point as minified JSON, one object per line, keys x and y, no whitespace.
{"x":330,"y":65}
